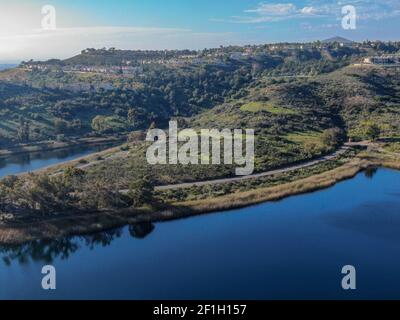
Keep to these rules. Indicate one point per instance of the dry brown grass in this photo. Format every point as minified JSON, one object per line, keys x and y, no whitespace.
{"x":242,"y":199}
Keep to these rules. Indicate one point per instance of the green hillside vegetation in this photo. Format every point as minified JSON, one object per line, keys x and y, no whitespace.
{"x":302,"y":104}
{"x":305,"y":138}
{"x":262,"y":106}
{"x":44,"y":98}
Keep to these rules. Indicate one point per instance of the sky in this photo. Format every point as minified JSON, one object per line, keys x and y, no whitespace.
{"x":28,"y":33}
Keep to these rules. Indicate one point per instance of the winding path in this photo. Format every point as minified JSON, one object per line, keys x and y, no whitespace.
{"x":332,"y":156}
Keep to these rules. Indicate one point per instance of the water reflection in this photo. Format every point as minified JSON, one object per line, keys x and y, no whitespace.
{"x":302,"y":243}
{"x":370,"y":172}
{"x":26,"y":162}
{"x":48,"y":250}
{"x":369,"y":219}
{"x":141,"y":230}
{"x":26,"y":158}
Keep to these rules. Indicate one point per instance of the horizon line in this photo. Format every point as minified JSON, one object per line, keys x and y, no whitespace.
{"x":17,"y":61}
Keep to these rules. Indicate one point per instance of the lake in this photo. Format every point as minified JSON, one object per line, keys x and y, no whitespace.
{"x":29,"y":162}
{"x":290,"y":249}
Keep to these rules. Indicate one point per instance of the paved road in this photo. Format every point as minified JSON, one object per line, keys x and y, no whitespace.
{"x":334,"y":155}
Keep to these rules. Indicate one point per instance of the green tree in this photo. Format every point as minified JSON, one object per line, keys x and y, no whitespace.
{"x":98,"y":123}
{"x":23,"y":131}
{"x":372,"y":131}
{"x":60,"y":126}
{"x":333,"y":137}
{"x":98,"y":193}
{"x":141,"y":190}
{"x":48,"y":194}
{"x":134,"y":118}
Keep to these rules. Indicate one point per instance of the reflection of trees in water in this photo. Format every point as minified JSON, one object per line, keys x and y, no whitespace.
{"x":370,"y":172}
{"x":40,"y":250}
{"x":103,"y":239}
{"x":22,"y":159}
{"x":60,"y":154}
{"x":141,"y":230}
{"x":48,"y":250}
{"x":26,"y":158}
{"x":3,"y":163}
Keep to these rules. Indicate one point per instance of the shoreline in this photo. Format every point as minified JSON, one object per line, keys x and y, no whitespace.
{"x":55,"y":145}
{"x":89,"y":223}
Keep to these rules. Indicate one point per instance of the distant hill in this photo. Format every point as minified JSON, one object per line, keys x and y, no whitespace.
{"x":65,"y":97}
{"x":112,"y":56}
{"x":339,"y":40}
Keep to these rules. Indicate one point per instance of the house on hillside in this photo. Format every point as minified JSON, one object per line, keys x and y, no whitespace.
{"x":383,"y":60}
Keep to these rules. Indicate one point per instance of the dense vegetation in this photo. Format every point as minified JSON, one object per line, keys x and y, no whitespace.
{"x":302,"y":101}
{"x":50,"y":100}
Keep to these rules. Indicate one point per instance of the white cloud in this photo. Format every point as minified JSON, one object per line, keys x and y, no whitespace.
{"x":309,"y":10}
{"x":366,"y":10}
{"x":318,"y":27}
{"x":280,"y":9}
{"x":265,"y":12}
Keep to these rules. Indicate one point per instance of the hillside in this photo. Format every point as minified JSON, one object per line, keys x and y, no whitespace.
{"x":338,"y":40}
{"x":302,"y":101}
{"x":294,"y":121}
{"x":111,"y":91}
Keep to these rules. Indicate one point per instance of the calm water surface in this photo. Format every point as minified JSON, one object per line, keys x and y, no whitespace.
{"x":37,"y":160}
{"x":294,"y":248}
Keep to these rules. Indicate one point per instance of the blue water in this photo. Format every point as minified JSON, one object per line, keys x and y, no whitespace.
{"x":291,"y":249}
{"x":28,"y":162}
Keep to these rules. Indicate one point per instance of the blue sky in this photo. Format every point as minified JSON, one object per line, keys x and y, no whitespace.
{"x":194,"y":24}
